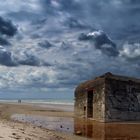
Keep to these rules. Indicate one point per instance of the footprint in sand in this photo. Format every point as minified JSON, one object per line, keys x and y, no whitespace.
{"x":15,"y":136}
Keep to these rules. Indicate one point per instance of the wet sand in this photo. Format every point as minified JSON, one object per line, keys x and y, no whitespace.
{"x":37,"y":122}
{"x":12,"y":129}
{"x":60,"y":124}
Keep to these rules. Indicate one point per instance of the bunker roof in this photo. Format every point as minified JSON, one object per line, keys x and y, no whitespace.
{"x":87,"y":85}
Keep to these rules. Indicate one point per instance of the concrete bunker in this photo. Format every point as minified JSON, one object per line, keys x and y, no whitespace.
{"x":109,"y":98}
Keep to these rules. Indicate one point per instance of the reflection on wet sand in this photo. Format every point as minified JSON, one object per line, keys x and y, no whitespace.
{"x":85,"y":128}
{"x":107,"y":131}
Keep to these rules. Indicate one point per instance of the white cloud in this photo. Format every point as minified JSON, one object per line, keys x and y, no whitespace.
{"x":131,"y":51}
{"x":16,"y":5}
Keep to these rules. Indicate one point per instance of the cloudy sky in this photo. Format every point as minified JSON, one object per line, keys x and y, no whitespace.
{"x":49,"y":46}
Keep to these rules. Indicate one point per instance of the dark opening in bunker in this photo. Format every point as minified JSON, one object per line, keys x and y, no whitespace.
{"x":90,"y":104}
{"x":85,"y":109}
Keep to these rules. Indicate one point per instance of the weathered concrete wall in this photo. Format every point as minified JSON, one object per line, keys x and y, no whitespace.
{"x":99,"y":103}
{"x":122,"y":100}
{"x":80,"y":103}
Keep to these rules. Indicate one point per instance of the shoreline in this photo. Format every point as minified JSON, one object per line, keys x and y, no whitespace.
{"x":54,"y":106}
{"x":39,"y":101}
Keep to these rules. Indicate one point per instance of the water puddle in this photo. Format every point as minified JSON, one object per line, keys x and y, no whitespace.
{"x":61,"y":124}
{"x":90,"y":129}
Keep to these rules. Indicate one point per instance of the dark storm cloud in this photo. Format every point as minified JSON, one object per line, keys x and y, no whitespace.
{"x":9,"y":59}
{"x":109,"y":50}
{"x":99,"y":37}
{"x":4,"y":41}
{"x":101,"y":41}
{"x":45,"y":44}
{"x":6,"y":58}
{"x":7,"y":29}
{"x":31,"y":60}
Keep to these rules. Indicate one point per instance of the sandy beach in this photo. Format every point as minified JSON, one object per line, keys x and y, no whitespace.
{"x":57,"y":122}
{"x":14,"y":129}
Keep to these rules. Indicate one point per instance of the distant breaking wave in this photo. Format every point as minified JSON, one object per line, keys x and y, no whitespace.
{"x":36,"y":101}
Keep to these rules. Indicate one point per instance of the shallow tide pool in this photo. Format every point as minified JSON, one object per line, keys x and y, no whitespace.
{"x":90,"y":129}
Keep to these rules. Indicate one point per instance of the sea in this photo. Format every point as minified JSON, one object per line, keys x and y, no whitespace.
{"x":52,"y":101}
{"x":62,"y":98}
